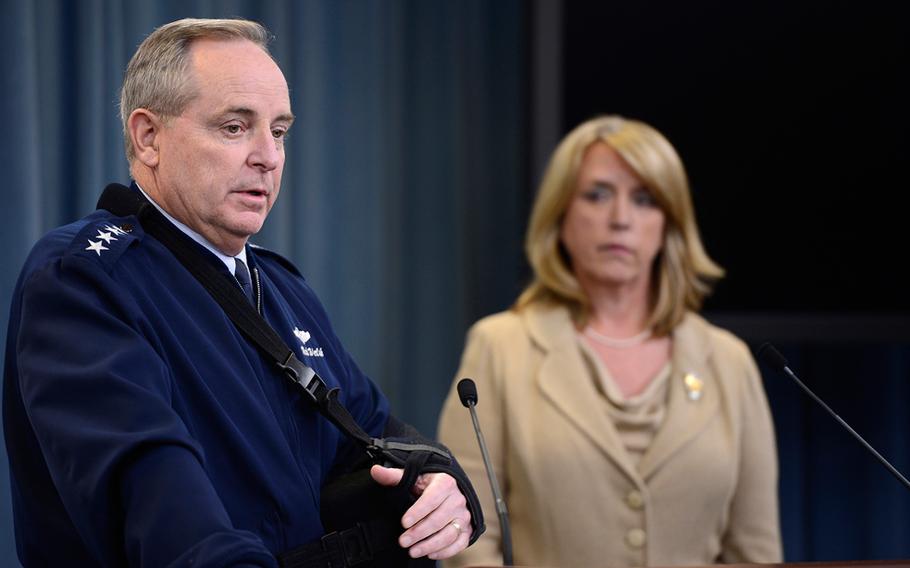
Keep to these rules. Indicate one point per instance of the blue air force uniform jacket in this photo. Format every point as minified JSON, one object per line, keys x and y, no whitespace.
{"x":143,"y":428}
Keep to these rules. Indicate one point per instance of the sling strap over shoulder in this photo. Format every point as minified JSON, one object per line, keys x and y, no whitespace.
{"x":122,"y":201}
{"x":415,"y":455}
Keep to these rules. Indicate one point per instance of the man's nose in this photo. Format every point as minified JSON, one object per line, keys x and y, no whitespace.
{"x":266,"y":152}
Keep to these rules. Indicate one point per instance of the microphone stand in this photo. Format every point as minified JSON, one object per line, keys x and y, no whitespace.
{"x":773,"y":357}
{"x":467,"y":391}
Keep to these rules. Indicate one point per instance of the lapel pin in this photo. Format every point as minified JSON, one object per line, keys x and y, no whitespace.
{"x":694,"y":386}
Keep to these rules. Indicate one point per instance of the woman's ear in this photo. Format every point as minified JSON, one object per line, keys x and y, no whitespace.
{"x":143,"y":127}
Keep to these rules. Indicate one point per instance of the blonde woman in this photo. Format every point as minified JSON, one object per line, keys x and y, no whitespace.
{"x":625,"y":429}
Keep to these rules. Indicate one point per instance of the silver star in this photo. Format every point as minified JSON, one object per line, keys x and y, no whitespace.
{"x":106,"y":237}
{"x":115,"y":230}
{"x":96,"y":246}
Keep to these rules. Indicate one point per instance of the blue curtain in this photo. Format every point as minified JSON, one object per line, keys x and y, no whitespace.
{"x":404,"y":186}
{"x":837,"y":501}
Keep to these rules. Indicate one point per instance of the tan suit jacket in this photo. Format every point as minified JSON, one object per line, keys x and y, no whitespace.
{"x":705,"y":491}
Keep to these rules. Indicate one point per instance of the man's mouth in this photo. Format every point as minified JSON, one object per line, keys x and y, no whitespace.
{"x":256,"y":194}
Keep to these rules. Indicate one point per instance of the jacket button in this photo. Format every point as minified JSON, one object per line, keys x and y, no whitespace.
{"x":635,"y":500}
{"x":635,"y":538}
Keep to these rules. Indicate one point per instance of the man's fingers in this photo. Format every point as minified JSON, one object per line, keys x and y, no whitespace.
{"x":460,"y":543}
{"x":388,"y":476}
{"x":449,"y":540}
{"x":437,"y":487}
{"x":438,"y":524}
{"x":439,"y":528}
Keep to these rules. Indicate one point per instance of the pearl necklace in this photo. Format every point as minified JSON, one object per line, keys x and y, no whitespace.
{"x":624,"y":343}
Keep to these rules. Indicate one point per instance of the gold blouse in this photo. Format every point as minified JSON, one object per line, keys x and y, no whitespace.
{"x":636,"y":418}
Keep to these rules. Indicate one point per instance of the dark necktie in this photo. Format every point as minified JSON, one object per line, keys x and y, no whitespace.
{"x":242,"y":274}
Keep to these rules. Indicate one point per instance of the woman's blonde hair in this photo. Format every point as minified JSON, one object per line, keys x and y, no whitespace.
{"x":683,"y":272}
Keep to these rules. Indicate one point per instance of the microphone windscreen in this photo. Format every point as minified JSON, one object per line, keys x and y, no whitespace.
{"x":772,"y":356}
{"x":467,"y":391}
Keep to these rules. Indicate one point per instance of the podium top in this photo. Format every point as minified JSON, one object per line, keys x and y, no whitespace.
{"x":836,"y":564}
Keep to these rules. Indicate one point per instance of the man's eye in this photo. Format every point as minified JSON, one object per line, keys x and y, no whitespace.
{"x":279,"y":133}
{"x":233,"y":128}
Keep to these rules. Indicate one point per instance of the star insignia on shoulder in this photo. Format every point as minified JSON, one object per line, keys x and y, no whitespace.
{"x":105,"y":236}
{"x":96,"y":246}
{"x":118,"y":230}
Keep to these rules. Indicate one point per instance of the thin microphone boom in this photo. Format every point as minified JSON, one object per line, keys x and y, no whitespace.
{"x":773,"y":357}
{"x":467,"y":392}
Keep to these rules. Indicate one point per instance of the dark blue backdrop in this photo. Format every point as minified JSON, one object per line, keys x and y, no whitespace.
{"x":837,"y":501}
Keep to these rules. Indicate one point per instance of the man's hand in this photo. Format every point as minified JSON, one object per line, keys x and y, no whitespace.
{"x":438,"y":524}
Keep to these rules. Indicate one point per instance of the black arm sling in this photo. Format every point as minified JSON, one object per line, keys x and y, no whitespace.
{"x":367,"y":543}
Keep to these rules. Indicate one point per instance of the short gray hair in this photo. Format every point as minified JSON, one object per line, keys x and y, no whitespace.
{"x":157,"y":77}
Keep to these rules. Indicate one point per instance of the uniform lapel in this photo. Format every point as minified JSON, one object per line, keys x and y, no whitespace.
{"x":685,"y":417}
{"x":565,"y":381}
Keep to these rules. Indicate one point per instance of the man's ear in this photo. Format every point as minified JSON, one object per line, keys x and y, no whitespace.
{"x":144,"y":127}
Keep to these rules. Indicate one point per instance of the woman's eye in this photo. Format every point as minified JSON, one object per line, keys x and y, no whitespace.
{"x":597,"y":194}
{"x":644,"y":198}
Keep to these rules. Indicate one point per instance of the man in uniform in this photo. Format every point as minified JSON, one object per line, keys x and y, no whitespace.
{"x":142,"y":427}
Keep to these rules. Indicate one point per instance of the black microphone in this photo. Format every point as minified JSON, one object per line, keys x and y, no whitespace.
{"x":773,"y":357}
{"x":467,"y":392}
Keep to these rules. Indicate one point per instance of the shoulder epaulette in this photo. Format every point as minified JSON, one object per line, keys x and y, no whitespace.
{"x":105,"y":239}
